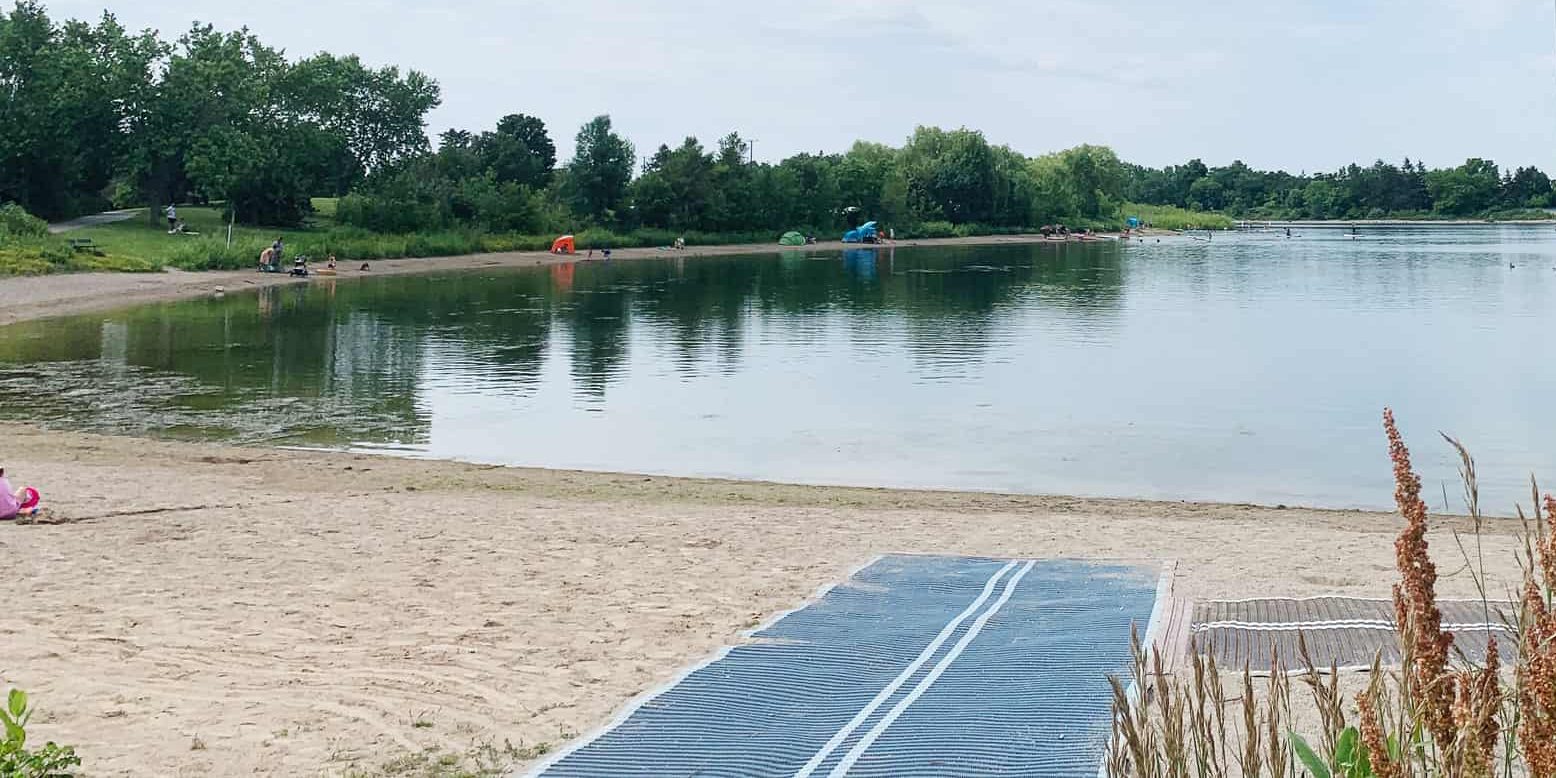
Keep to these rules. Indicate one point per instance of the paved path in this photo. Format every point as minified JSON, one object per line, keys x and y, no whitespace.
{"x":92,"y":220}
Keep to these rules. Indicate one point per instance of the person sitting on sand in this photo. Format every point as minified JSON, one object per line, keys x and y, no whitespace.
{"x":267,"y":258}
{"x":14,"y":503}
{"x":331,"y":263}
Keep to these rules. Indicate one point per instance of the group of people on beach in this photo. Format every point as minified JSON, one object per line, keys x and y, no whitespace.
{"x":1050,"y":231}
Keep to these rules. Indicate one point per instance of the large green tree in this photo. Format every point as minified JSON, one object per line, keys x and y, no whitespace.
{"x":67,"y":94}
{"x":601,"y":169}
{"x":1466,"y":189}
{"x":518,"y":151}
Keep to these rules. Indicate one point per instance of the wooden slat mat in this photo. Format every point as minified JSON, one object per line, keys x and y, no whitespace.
{"x":1344,"y":631}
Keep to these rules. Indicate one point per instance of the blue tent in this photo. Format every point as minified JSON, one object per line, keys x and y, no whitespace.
{"x":864,"y":233}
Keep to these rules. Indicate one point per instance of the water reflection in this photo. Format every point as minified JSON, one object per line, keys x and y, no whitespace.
{"x":344,"y":364}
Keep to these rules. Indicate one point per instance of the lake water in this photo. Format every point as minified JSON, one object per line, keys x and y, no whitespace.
{"x":1250,"y":367}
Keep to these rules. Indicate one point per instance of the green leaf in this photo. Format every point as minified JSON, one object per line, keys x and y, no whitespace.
{"x":1345,"y":749}
{"x":16,"y":702}
{"x":1363,"y":766}
{"x":1309,"y":757}
{"x":14,"y":733}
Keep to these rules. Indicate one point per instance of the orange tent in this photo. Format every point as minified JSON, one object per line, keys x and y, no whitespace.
{"x":563,"y":245}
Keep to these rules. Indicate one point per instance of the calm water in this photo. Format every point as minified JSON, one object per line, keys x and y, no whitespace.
{"x":1246,"y":368}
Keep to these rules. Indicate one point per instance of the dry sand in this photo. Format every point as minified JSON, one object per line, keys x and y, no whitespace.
{"x":212,"y":610}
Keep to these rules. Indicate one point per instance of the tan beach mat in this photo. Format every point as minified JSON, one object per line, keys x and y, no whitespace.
{"x":1346,"y":632}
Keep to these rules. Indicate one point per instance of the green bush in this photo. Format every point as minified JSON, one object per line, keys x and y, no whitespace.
{"x":16,"y":760}
{"x":16,"y":222}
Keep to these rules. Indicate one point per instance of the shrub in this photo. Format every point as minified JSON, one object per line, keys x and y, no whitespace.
{"x":16,"y":222}
{"x":18,"y":761}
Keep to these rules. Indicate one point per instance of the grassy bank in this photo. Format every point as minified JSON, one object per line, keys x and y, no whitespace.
{"x":27,"y":248}
{"x":205,"y":245}
{"x":140,"y":244}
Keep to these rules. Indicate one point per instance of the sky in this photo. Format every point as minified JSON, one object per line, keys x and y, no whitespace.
{"x":1298,"y":86}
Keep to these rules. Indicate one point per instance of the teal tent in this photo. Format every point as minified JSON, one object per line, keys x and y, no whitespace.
{"x":791,"y":238}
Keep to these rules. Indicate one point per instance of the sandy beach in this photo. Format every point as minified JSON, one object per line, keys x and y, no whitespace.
{"x":212,"y":610}
{"x":203,"y":609}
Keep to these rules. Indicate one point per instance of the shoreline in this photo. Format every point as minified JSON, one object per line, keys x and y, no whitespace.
{"x":1403,"y":222}
{"x":24,"y":298}
{"x":310,"y":612}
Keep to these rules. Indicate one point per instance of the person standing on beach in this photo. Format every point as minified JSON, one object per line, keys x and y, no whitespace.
{"x":276,"y":249}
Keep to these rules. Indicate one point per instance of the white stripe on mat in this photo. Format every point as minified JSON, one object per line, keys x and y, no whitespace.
{"x":869,"y":738}
{"x":1372,"y":624}
{"x":902,"y":677}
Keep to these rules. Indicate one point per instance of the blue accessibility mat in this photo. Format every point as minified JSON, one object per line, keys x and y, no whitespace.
{"x":916,"y":666}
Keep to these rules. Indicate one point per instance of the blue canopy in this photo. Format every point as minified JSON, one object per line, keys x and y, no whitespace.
{"x":864,"y":232}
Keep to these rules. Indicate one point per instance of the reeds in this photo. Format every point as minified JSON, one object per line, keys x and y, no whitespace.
{"x":1429,"y":717}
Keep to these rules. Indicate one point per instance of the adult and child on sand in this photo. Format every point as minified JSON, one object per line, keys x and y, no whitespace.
{"x":270,"y":261}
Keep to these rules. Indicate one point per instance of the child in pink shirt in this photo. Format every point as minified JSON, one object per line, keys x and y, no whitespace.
{"x":11,"y":502}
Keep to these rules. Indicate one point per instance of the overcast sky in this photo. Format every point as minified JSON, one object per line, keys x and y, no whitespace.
{"x":1308,"y":86}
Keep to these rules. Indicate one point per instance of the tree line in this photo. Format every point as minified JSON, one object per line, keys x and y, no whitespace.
{"x":92,"y":116}
{"x":1474,"y":188}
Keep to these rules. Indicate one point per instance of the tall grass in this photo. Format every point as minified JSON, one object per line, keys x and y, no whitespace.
{"x":1169,"y":217}
{"x":1429,"y":717}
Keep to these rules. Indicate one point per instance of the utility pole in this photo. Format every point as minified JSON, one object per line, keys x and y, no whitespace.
{"x":751,"y":151}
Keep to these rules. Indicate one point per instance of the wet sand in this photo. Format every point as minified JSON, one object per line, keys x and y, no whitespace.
{"x":213,"y":610}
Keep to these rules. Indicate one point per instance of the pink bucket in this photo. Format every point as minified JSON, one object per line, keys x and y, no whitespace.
{"x":30,"y":499}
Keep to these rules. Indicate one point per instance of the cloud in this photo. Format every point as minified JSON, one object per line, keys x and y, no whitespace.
{"x":1304,"y":86}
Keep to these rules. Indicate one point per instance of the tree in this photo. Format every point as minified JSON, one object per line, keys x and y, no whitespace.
{"x":1094,"y":179}
{"x":597,"y":177}
{"x":1526,"y":188}
{"x":68,"y":93}
{"x":377,"y":116}
{"x":519,"y":151}
{"x":1469,"y":188}
{"x":1206,"y":194}
{"x":950,"y":175}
